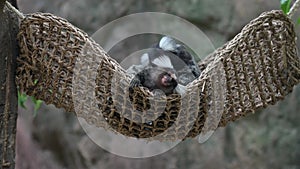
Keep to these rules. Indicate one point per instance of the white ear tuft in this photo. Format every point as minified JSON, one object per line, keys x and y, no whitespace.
{"x":163,"y":61}
{"x":145,"y":60}
{"x":167,"y":43}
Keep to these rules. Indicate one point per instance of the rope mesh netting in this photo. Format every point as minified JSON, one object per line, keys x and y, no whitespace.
{"x":257,"y":68}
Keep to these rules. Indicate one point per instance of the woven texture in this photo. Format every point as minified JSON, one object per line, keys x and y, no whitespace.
{"x":61,"y":65}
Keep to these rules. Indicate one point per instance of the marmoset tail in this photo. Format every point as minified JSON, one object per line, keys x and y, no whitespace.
{"x":168,"y":44}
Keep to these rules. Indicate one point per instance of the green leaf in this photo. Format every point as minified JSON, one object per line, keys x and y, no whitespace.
{"x":22,"y":98}
{"x":35,"y":81}
{"x":298,"y":21}
{"x":285,"y":5}
{"x":37,"y":105}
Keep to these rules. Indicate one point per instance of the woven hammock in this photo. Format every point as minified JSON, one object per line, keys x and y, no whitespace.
{"x":257,"y":68}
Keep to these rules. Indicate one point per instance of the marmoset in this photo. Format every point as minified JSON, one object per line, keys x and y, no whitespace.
{"x":162,"y":76}
{"x":158,"y":70}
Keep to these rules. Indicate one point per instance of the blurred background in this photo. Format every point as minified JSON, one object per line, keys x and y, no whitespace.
{"x":270,"y":138}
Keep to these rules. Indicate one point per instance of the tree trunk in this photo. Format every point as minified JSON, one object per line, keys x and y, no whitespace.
{"x":8,"y":91}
